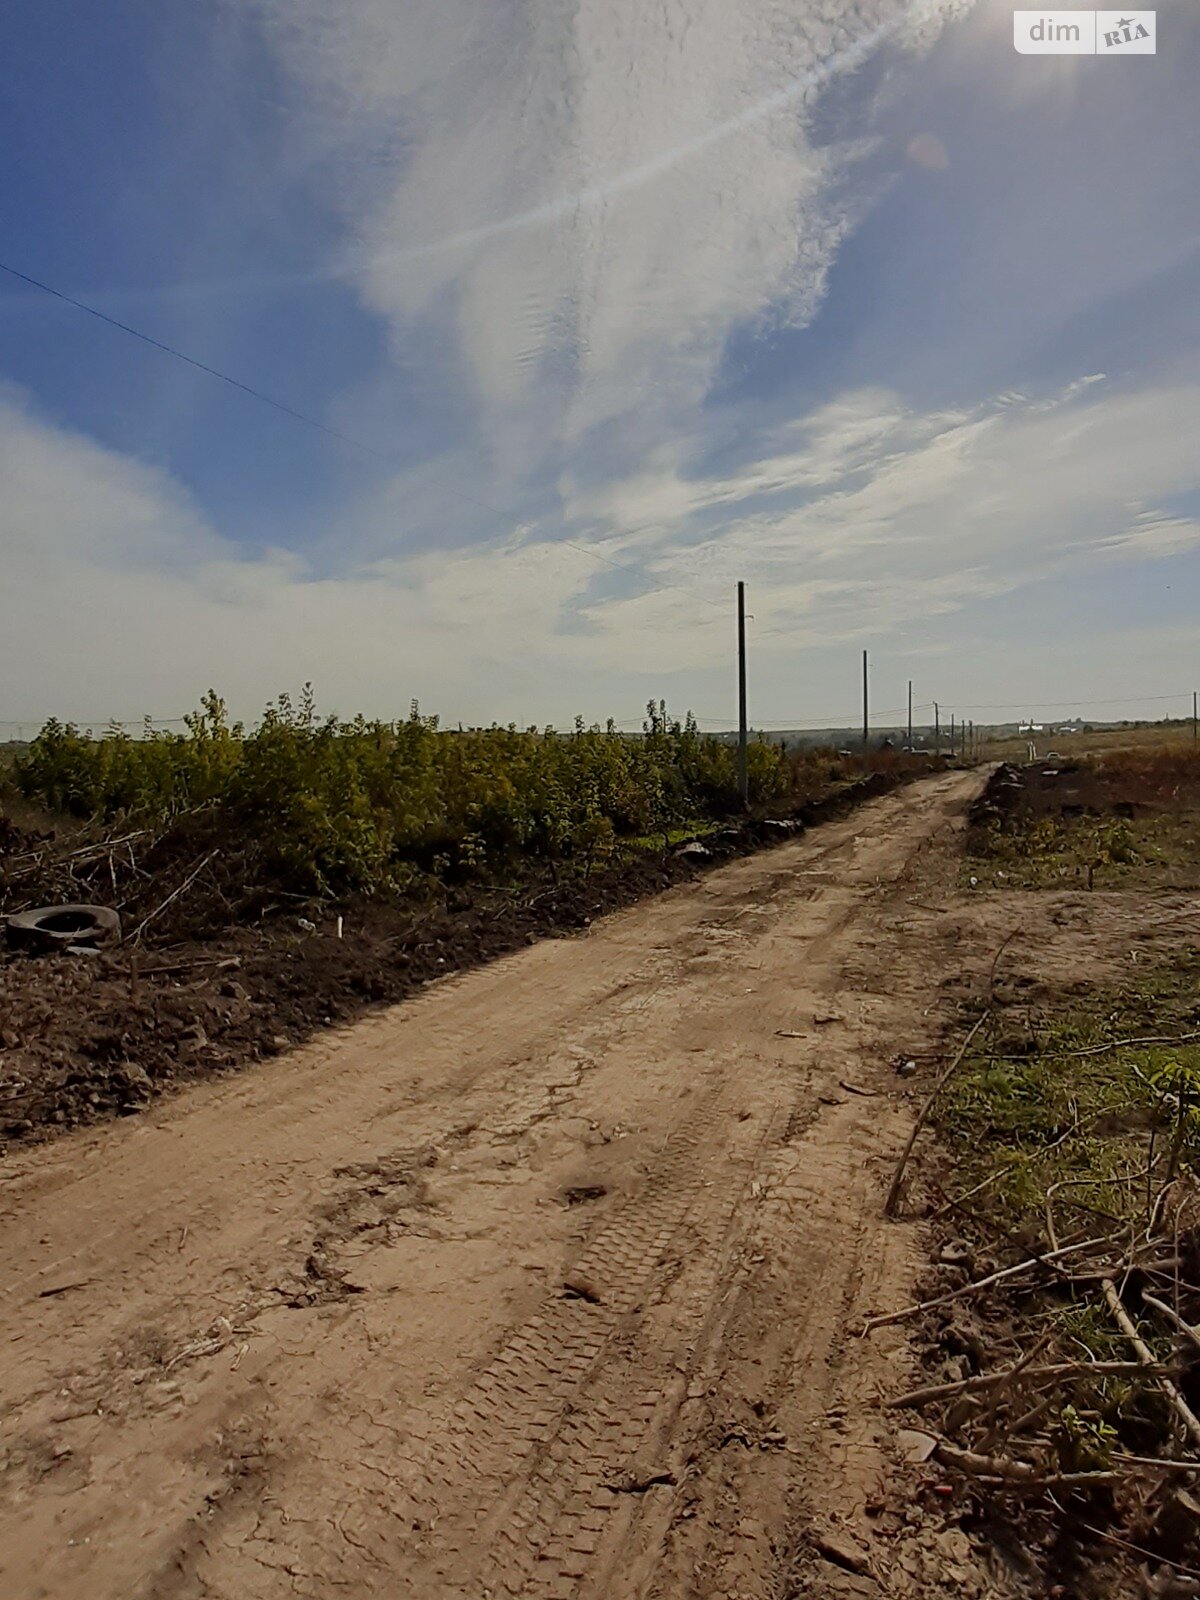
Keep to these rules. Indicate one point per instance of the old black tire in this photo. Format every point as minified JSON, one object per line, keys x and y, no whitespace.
{"x":55,"y":927}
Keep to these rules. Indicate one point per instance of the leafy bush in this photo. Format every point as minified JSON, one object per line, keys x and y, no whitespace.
{"x":366,"y":805}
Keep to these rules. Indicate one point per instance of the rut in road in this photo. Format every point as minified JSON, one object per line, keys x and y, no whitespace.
{"x":535,"y":1285}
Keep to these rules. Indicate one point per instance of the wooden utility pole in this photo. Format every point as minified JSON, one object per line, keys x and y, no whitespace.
{"x":1195,"y":728}
{"x":866,"y":714}
{"x":743,"y":771}
{"x":937,"y":730}
{"x":952,"y":736}
{"x":910,"y":713}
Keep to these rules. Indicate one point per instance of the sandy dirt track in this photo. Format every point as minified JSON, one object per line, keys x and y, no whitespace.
{"x":538,"y":1284}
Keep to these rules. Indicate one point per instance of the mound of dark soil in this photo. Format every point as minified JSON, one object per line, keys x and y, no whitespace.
{"x":89,"y":1036}
{"x":1018,"y":795}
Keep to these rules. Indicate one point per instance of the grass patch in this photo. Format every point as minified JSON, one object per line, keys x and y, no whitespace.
{"x":1053,"y":1114}
{"x":1074,"y":1121}
{"x":1075,"y":852}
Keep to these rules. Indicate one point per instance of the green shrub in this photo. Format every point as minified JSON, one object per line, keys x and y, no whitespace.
{"x":366,"y":804}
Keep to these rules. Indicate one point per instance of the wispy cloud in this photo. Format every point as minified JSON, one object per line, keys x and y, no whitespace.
{"x":593,"y":194}
{"x":875,"y":520}
{"x":592,"y":236}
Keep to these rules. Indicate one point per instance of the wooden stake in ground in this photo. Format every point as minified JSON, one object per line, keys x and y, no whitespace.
{"x":889,"y":1209}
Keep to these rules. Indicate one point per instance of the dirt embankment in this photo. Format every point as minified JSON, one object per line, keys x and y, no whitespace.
{"x":88,"y":1037}
{"x":1068,"y":790}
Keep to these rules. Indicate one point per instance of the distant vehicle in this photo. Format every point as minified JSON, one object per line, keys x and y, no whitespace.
{"x":1053,"y":755}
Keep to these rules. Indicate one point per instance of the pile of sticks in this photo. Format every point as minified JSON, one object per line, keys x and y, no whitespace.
{"x":1116,"y":1430}
{"x":101,"y":868}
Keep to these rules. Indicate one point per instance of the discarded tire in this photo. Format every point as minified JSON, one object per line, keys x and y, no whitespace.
{"x":56,"y":927}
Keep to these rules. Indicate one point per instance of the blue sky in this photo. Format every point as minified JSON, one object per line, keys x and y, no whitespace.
{"x":618,"y":305}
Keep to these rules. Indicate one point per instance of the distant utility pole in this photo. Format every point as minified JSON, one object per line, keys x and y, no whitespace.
{"x":910,"y":713}
{"x":743,"y":771}
{"x":866,"y":713}
{"x":1195,"y":727}
{"x":952,"y":736}
{"x":937,"y":729}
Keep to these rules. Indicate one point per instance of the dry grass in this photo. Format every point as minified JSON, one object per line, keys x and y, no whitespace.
{"x":1101,"y":741}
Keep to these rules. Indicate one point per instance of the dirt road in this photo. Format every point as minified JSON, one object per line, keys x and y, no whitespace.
{"x":538,"y":1284}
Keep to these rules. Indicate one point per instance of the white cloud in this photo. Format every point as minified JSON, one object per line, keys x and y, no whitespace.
{"x":595,"y":192}
{"x":121,"y":598}
{"x":882,"y":515}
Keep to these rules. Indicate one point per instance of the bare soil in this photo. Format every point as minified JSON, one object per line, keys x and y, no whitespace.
{"x":549,"y":1281}
{"x":541,"y":1282}
{"x":87,"y":1037}
{"x":1074,"y":789}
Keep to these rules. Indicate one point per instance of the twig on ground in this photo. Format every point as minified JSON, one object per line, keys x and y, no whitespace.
{"x":893,"y":1196}
{"x":916,"y":1398}
{"x":186,"y":966}
{"x":1051,"y":1232}
{"x":1001,"y":1469}
{"x":1125,"y":1044}
{"x":1046,"y":1259}
{"x":1138,"y":1550}
{"x":1164,"y":1463}
{"x":1145,"y":1355}
{"x":967,"y":1194}
{"x":1008,"y":939}
{"x":1189,"y":1332}
{"x":1019,"y":1425}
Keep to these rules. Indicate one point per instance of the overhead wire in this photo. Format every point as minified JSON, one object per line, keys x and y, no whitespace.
{"x":309,"y":420}
{"x":652,"y":585}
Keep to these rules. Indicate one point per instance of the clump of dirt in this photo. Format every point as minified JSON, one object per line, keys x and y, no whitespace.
{"x":207,"y":989}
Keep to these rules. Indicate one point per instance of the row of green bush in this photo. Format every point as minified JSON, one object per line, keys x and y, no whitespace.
{"x":365,"y":804}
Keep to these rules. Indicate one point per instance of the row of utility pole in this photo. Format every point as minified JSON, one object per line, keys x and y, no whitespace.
{"x":961,"y":741}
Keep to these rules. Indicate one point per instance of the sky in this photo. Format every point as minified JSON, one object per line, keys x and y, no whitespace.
{"x":574,"y":313}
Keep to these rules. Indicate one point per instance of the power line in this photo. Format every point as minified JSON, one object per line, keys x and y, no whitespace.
{"x":624,"y":566}
{"x":1047,"y":705}
{"x":358,"y":444}
{"x":200,"y":366}
{"x":309,"y":420}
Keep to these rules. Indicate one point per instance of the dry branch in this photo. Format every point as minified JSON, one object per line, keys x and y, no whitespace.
{"x":1178,"y":1404}
{"x":1008,"y":939}
{"x":889,"y":1209}
{"x":1173,"y":1317}
{"x":174,"y":895}
{"x":1002,"y":1469}
{"x":1047,"y":1259}
{"x":1125,"y":1044}
{"x":916,"y":1398}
